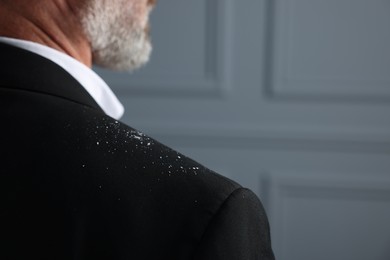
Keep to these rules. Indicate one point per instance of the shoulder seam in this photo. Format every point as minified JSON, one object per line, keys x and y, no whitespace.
{"x":217,"y":211}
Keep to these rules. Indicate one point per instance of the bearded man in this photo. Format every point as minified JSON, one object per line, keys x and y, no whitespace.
{"x":75,"y":183}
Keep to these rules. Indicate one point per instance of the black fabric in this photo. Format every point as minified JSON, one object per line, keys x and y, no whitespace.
{"x":77,"y":184}
{"x":21,"y":69}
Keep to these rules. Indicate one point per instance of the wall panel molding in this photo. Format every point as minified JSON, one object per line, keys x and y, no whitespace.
{"x":291,"y":196}
{"x":324,"y":51}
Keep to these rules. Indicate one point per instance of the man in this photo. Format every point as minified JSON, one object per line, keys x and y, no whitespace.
{"x":77,"y":184}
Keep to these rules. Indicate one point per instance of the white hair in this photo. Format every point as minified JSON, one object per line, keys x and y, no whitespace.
{"x":118,"y":39}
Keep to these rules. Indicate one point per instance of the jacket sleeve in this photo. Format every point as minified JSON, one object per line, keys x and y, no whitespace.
{"x":238,"y":231}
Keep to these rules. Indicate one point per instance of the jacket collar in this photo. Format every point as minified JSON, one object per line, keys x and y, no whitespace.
{"x":21,"y":69}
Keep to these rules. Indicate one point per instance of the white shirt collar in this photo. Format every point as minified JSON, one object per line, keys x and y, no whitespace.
{"x":92,"y":83}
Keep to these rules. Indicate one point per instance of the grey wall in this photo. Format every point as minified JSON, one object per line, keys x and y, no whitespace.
{"x":291,"y":98}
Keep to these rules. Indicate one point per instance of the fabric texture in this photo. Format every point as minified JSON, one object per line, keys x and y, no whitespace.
{"x":77,"y":184}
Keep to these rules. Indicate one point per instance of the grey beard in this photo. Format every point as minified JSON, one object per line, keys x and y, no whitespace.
{"x":124,"y":54}
{"x":115,"y":44}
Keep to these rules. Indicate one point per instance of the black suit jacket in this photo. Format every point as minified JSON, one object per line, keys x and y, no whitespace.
{"x":77,"y":184}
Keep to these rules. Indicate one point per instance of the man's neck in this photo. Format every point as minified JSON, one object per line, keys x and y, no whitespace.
{"x":38,"y":22}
